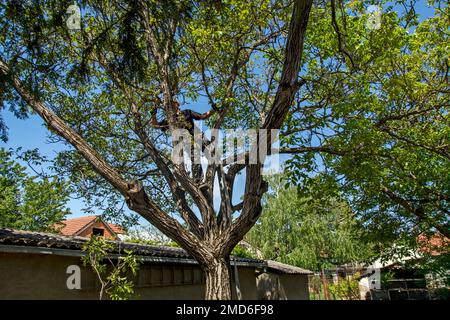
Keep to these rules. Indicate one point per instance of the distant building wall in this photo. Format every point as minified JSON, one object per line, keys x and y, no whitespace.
{"x":295,"y":286}
{"x":43,"y":276}
{"x":273,"y":286}
{"x":33,"y":276}
{"x":247,"y":283}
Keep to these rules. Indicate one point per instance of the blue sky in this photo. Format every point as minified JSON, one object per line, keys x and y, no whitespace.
{"x":31,"y":133}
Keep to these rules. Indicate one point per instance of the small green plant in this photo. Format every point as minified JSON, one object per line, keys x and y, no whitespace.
{"x":241,"y":252}
{"x":386,"y":277}
{"x":112,"y":273}
{"x":316,"y":288}
{"x":345,"y":288}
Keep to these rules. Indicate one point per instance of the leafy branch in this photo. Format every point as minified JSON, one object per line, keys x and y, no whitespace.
{"x":111,"y":273}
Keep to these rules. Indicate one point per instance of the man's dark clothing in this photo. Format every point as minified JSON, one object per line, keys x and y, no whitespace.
{"x":187,"y":120}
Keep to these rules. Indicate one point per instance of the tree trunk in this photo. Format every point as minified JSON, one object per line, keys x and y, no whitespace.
{"x":218,"y":280}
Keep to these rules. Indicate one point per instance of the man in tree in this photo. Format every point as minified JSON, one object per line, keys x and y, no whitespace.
{"x":185,"y":119}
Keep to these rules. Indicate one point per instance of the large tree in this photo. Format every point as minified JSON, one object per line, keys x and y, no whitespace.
{"x":96,"y":88}
{"x":254,"y":62}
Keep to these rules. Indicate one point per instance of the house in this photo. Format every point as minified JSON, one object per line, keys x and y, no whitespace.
{"x":89,"y":225}
{"x":38,"y":265}
{"x":403,"y":280}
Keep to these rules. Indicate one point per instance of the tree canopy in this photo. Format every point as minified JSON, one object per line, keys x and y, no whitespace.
{"x":316,"y":234}
{"x":376,"y":107}
{"x":96,"y":87}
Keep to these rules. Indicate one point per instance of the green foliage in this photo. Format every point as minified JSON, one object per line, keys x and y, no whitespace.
{"x":65,"y":70}
{"x":240,"y":251}
{"x":345,"y":288}
{"x":29,"y":203}
{"x":310,"y":233}
{"x":316,"y":288}
{"x":437,"y":267}
{"x":378,"y":99}
{"x":112,"y":274}
{"x":386,"y":276}
{"x":442,"y":294}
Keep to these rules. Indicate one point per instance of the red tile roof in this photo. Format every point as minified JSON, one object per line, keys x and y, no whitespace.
{"x":435,"y":244}
{"x":116,"y":228}
{"x":70,"y":227}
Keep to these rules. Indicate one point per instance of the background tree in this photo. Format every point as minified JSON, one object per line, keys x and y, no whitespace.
{"x":312,"y":233}
{"x":27,"y":202}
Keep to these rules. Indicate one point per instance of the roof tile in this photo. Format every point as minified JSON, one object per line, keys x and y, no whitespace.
{"x":286,"y":268}
{"x":40,"y":239}
{"x":70,"y":227}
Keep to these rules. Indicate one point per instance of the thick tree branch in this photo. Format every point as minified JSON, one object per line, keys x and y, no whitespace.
{"x":340,"y":36}
{"x":238,"y":64}
{"x":288,"y":86}
{"x":243,"y":157}
{"x":324,"y":149}
{"x":238,"y":206}
{"x":226,"y":209}
{"x":442,"y":151}
{"x":412,"y":113}
{"x":133,"y":192}
{"x":178,"y":194}
{"x":289,"y":83}
{"x":163,"y":54}
{"x":62,"y":129}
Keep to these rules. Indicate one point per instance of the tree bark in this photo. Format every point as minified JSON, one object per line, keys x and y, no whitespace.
{"x":218,"y":279}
